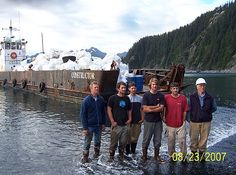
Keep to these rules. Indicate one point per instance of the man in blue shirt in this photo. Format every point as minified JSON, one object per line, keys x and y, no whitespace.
{"x":202,"y":105}
{"x":93,"y":119}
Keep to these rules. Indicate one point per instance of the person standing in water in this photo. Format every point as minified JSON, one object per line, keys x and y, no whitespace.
{"x":153,"y":104}
{"x":202,"y":105}
{"x":93,"y":118}
{"x":137,"y":118}
{"x":119,"y":113}
{"x":175,"y":115}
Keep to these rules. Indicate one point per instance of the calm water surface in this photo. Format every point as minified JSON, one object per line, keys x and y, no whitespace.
{"x":39,"y":135}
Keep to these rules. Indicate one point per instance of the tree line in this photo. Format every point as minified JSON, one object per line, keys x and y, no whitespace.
{"x":208,"y":43}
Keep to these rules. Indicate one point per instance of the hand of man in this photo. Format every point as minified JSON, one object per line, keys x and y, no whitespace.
{"x":140,"y":121}
{"x":85,"y":132}
{"x":128,"y":122}
{"x":163,"y":118}
{"x":114,"y":124}
{"x":103,"y":127}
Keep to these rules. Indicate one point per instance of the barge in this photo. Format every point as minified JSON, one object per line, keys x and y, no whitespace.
{"x":70,"y":85}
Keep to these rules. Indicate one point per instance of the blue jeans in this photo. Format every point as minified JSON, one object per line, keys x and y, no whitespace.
{"x":96,"y":131}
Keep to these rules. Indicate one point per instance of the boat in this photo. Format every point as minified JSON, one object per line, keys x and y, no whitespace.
{"x":69,"y":85}
{"x":12,"y":50}
{"x":164,"y":76}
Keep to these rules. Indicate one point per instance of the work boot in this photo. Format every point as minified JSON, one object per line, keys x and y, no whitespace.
{"x":96,"y":153}
{"x":127,"y":149}
{"x":144,"y":157}
{"x":85,"y":157}
{"x":111,"y":156}
{"x":133,"y":147}
{"x":121,"y":154}
{"x":157,"y":156}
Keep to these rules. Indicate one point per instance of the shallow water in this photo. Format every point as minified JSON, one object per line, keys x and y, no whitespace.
{"x":39,"y":135}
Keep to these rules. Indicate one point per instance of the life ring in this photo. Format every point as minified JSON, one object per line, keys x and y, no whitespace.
{"x":4,"y":82}
{"x":42,"y":86}
{"x":24,"y":83}
{"x":14,"y":82}
{"x":13,"y":55}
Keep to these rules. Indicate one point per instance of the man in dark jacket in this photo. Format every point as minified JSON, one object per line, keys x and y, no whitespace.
{"x":93,"y":119}
{"x":202,"y":105}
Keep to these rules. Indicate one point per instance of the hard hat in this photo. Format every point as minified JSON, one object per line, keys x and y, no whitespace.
{"x":200,"y":81}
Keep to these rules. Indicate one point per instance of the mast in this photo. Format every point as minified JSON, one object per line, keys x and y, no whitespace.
{"x":42,"y":42}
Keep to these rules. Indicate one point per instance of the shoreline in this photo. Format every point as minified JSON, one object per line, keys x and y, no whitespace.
{"x":211,"y":71}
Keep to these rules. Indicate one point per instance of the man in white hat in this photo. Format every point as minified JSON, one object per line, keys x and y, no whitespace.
{"x":202,"y":105}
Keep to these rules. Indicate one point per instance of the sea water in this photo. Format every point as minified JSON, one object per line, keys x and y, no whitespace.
{"x":40,"y":135}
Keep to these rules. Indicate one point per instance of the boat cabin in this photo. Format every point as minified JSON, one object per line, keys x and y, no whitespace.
{"x":12,"y":50}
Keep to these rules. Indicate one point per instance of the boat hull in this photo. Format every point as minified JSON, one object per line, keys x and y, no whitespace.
{"x":69,"y":85}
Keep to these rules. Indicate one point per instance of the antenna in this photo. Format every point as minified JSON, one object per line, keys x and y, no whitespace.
{"x":11,"y":29}
{"x":42,"y":42}
{"x":19,"y":24}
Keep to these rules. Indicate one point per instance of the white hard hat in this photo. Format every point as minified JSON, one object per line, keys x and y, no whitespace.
{"x":201,"y":81}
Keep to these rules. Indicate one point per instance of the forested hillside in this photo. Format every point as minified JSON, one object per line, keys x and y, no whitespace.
{"x":208,"y":43}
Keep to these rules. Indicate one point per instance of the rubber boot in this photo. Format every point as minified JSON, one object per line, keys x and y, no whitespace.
{"x":121,"y":154}
{"x":157,"y":157}
{"x":127,"y":149}
{"x":144,"y":157}
{"x":111,"y":156}
{"x":96,"y":153}
{"x":85,"y":157}
{"x":133,"y":147}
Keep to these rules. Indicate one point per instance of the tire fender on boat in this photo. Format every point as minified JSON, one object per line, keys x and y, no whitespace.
{"x":24,"y":83}
{"x":14,"y":82}
{"x":4,"y":82}
{"x":42,"y":86}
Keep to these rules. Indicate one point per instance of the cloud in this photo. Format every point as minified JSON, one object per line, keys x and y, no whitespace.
{"x":112,"y":26}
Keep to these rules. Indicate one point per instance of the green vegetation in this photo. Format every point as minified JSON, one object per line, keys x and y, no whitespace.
{"x":208,"y":43}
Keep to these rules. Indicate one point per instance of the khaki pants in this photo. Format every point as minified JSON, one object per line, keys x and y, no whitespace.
{"x":181,"y":134}
{"x":134,"y":132}
{"x":199,"y":133}
{"x":119,"y":134}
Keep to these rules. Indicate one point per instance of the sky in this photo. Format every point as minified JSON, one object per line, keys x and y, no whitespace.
{"x":112,"y":26}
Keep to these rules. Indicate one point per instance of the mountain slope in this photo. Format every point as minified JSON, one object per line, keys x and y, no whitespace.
{"x":208,"y":43}
{"x":95,"y":52}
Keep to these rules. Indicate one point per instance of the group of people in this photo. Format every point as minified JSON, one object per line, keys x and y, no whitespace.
{"x":127,"y":113}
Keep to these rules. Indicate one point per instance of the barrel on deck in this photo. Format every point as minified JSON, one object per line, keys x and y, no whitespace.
{"x":138,"y":80}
